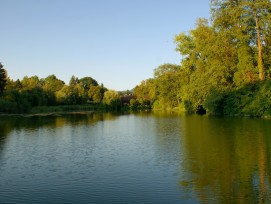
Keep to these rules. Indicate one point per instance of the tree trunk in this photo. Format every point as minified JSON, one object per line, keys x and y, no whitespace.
{"x":259,"y":44}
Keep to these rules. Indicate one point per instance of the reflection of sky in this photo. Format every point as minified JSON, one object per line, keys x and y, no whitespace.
{"x":117,"y":160}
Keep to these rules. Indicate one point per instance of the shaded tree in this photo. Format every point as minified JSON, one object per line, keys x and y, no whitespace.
{"x":87,"y":82}
{"x":3,"y":79}
{"x":73,"y":81}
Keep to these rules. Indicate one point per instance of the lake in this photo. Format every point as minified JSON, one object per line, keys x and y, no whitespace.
{"x":135,"y":158}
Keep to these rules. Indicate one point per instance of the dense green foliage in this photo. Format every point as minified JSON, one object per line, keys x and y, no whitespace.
{"x":34,"y":94}
{"x":225,"y":66}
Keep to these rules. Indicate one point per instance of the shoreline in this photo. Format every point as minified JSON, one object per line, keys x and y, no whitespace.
{"x":78,"y":112}
{"x":54,"y":114}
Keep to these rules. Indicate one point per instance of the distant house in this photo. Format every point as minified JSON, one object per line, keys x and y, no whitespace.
{"x":125,"y":99}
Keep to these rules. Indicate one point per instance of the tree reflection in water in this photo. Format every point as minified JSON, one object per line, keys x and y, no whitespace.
{"x":227,"y":160}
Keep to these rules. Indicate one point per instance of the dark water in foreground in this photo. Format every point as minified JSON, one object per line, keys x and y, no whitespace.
{"x":137,"y":158}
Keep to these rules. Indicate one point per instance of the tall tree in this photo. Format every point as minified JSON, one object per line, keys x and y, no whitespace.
{"x":260,"y":12}
{"x":249,"y":22}
{"x":208,"y":63}
{"x":3,"y":79}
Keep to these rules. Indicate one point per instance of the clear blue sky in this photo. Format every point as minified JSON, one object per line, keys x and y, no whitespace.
{"x":116,"y":42}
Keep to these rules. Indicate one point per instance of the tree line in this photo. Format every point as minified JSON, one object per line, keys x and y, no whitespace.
{"x":21,"y":96}
{"x":225,"y":64}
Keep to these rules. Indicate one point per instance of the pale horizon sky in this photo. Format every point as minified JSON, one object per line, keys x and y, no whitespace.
{"x":117,"y":42}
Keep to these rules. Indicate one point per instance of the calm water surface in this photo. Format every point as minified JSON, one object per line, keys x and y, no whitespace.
{"x":135,"y":158}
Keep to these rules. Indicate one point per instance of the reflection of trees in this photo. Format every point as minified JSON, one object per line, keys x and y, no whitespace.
{"x":4,"y":130}
{"x":14,"y":123}
{"x":228,"y":159}
{"x":53,"y":121}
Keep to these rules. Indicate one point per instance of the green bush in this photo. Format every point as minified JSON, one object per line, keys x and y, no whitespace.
{"x":214,"y":103}
{"x":251,"y":100}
